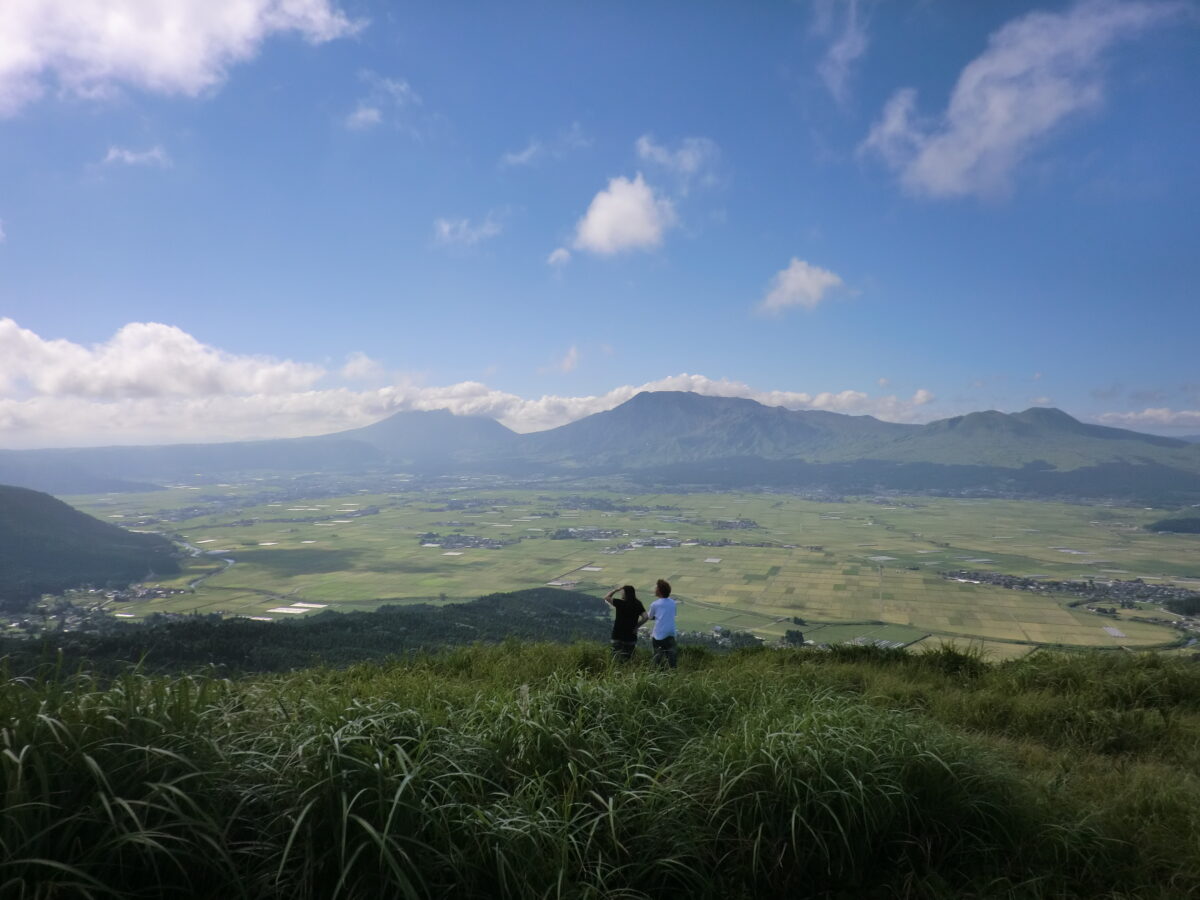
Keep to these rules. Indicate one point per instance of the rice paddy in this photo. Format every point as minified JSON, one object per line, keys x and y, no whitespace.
{"x":852,"y":568}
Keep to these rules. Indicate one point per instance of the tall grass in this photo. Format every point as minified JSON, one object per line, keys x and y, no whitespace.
{"x":539,"y":771}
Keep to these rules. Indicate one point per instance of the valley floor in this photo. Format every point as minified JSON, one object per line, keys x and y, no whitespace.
{"x":866,"y":569}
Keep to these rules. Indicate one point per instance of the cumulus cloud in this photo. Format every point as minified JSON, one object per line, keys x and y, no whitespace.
{"x":464,"y":232}
{"x":627,"y":215}
{"x":692,"y":160}
{"x":360,"y":367}
{"x":1153,"y":417}
{"x":93,"y":48}
{"x":848,"y":43}
{"x":155,"y":156}
{"x":559,"y":257}
{"x":1038,"y":72}
{"x":800,"y":284}
{"x":143,"y":359}
{"x":153,"y":383}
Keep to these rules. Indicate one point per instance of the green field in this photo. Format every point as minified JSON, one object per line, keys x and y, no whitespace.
{"x":852,"y":568}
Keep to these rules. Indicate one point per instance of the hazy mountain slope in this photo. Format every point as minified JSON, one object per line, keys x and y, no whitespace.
{"x":684,"y":437}
{"x":1037,"y":435}
{"x":655,"y":429}
{"x":407,"y":437}
{"x":37,"y":470}
{"x":675,"y":426}
{"x":432,"y":435}
{"x":48,"y":546}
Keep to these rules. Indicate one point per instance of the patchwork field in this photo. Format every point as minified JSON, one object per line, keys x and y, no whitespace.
{"x":837,"y":571}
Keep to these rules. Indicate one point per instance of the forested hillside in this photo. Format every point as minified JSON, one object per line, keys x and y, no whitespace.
{"x":47,"y":546}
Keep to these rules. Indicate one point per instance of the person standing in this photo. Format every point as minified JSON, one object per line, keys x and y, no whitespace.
{"x":662,"y":638}
{"x":629,"y":615}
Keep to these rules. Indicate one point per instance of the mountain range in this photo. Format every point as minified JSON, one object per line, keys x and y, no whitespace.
{"x":672,"y":437}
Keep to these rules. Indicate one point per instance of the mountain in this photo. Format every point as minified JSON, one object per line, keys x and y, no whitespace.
{"x":669,"y":427}
{"x":675,"y":437}
{"x":1038,"y":435}
{"x":435,"y":435}
{"x":47,"y":546}
{"x":405,"y":439}
{"x":675,"y":426}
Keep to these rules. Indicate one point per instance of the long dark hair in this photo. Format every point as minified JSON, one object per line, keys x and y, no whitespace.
{"x":630,"y":592}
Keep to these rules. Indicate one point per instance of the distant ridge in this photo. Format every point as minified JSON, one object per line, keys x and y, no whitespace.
{"x":675,"y":437}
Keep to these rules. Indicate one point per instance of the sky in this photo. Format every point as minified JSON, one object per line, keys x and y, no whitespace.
{"x":226,"y":219}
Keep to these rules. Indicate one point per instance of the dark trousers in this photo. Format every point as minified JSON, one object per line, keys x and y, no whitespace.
{"x":665,"y":653}
{"x":622,"y":651}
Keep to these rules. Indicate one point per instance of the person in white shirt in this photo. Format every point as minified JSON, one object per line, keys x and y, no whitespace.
{"x":662,"y":638}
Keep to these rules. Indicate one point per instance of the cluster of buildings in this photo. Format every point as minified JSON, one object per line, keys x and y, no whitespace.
{"x":463,"y":541}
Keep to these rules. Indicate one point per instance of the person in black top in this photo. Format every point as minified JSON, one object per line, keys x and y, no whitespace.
{"x":630,"y":614}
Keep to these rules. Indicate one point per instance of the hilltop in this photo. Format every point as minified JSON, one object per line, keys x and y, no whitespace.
{"x":539,"y":770}
{"x":47,"y":546}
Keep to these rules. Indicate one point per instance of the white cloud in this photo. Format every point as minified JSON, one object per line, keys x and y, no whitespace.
{"x":156,"y":383}
{"x":360,"y":367}
{"x":462,"y":231}
{"x":569,"y":139}
{"x":532,"y":151}
{"x":385,"y":97}
{"x":93,"y":48}
{"x":847,"y":46}
{"x":1038,"y":71}
{"x":143,"y":359}
{"x":800,"y":284}
{"x":559,"y":257}
{"x":570,"y":360}
{"x":692,"y":160}
{"x":3,"y":236}
{"x":882,"y":382}
{"x":155,"y":156}
{"x":627,"y":215}
{"x":364,"y":117}
{"x":1152,"y":417}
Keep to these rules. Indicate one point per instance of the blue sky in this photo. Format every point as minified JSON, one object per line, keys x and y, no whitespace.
{"x":243,"y":218}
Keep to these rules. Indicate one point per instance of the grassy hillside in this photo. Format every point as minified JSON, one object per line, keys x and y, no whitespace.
{"x":47,"y":546}
{"x":539,"y":771}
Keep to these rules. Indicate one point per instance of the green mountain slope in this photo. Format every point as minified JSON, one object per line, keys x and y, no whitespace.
{"x":48,"y":546}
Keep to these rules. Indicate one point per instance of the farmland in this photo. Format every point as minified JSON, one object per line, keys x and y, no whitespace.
{"x":750,"y":562}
